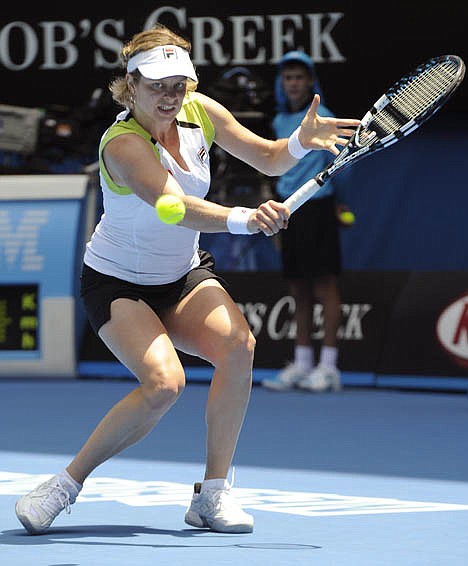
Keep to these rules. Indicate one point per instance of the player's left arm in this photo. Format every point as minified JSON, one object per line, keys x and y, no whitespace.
{"x":272,"y":157}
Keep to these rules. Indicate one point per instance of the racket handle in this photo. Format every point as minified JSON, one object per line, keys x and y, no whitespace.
{"x":303,"y":194}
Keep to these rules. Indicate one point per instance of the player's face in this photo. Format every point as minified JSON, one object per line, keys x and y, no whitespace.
{"x":162,"y":99}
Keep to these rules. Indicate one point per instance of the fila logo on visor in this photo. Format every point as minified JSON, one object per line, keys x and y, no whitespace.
{"x":169,"y":52}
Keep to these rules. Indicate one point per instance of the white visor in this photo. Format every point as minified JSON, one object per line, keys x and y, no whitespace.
{"x":162,"y":62}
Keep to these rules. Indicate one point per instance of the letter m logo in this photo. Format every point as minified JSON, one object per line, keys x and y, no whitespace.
{"x":19,"y":239}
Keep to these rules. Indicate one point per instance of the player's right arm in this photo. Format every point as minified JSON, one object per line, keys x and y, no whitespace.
{"x":131,"y":163}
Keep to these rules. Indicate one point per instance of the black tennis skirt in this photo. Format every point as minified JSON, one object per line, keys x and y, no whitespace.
{"x":99,"y":290}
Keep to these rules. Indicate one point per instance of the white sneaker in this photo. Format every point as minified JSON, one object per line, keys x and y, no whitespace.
{"x":37,"y":509}
{"x":286,"y":379}
{"x":321,"y":379}
{"x":218,"y":510}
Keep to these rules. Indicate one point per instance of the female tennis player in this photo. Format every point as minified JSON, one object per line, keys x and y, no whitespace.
{"x":147,"y":287}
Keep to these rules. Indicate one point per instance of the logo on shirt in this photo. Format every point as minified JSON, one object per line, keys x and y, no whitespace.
{"x":202,"y":154}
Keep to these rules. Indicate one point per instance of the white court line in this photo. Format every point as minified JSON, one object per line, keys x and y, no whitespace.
{"x":137,"y":493}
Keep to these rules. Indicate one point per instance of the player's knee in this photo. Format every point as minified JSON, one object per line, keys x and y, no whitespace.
{"x":163,"y":387}
{"x":239,"y":348}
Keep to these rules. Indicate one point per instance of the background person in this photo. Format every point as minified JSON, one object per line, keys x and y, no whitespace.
{"x":147,"y":287}
{"x":310,"y":248}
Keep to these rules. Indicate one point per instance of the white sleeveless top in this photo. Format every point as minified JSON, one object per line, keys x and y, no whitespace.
{"x":130,"y":242}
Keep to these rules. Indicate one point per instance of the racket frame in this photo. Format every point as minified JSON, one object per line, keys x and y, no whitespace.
{"x":354,"y":150}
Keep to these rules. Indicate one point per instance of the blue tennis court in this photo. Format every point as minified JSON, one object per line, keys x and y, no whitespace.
{"x":361,"y":477}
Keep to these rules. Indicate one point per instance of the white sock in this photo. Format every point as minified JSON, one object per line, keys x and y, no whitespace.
{"x":304,"y":357}
{"x":214,"y":484}
{"x":328,"y":356}
{"x":72,"y":485}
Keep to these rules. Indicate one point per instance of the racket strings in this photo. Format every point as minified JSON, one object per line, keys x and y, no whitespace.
{"x":425,"y":90}
{"x":415,"y":97}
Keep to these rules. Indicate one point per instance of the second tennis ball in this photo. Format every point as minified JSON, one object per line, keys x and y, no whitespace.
{"x":170,"y":209}
{"x":347,"y":218}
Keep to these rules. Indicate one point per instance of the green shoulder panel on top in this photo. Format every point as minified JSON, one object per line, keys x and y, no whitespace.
{"x":194,"y":112}
{"x":127,"y":126}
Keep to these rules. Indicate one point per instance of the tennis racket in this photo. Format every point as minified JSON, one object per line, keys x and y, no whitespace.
{"x":400,"y":111}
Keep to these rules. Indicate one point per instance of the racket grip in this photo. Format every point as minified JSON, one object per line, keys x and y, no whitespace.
{"x":303,"y":194}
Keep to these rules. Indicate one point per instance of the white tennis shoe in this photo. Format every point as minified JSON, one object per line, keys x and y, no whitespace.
{"x":218,"y":510}
{"x":37,"y":509}
{"x":321,"y":379}
{"x":286,"y":379}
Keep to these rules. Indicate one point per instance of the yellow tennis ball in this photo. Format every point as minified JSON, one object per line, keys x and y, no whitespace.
{"x":347,"y":217}
{"x":170,"y":209}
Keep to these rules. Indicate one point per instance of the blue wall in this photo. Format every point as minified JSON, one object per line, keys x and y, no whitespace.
{"x":411,"y":202}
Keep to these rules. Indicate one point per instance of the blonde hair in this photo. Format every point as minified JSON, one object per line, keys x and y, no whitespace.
{"x":143,"y":41}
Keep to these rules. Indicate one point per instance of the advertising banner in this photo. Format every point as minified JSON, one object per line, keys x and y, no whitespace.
{"x":50,"y":56}
{"x":427,"y":331}
{"x":392,"y":322}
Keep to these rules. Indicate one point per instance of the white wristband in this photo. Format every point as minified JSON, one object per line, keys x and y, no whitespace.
{"x":237,"y":220}
{"x":294,"y":146}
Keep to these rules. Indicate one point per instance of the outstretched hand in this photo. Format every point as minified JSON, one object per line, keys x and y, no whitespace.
{"x":320,"y":132}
